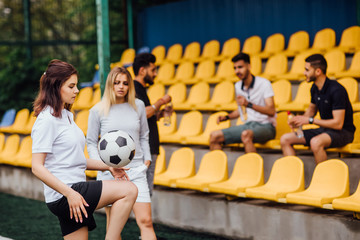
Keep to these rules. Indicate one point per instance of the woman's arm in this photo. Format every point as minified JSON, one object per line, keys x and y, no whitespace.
{"x":93,"y":133}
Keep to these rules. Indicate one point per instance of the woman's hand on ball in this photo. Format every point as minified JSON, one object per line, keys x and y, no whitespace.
{"x":119,"y":173}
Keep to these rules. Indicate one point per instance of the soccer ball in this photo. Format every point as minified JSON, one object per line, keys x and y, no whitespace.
{"x":116,"y":148}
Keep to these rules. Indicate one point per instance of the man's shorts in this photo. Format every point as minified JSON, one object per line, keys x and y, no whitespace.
{"x":91,"y":192}
{"x":262,"y":132}
{"x":339,"y":138}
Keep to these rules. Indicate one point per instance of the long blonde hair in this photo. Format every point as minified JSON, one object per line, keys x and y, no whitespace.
{"x":109,"y":97}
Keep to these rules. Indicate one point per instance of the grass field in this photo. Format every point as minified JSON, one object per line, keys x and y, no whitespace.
{"x":22,"y":218}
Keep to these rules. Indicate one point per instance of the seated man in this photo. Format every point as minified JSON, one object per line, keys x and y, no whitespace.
{"x":336,"y":127}
{"x":257,"y":95}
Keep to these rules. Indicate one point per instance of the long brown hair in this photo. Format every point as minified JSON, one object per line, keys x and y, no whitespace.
{"x":109,"y":97}
{"x":56,"y":74}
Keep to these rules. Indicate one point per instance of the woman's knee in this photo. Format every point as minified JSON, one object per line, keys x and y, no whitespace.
{"x":145,"y":221}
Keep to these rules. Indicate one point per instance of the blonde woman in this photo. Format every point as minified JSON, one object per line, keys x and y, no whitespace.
{"x":120,"y":110}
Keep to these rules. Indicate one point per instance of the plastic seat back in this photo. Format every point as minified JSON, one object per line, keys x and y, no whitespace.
{"x":174,"y":53}
{"x":177,"y":92}
{"x":131,"y":71}
{"x":29,"y":124}
{"x":231,"y":47}
{"x":165,"y":73}
{"x":274,"y":43}
{"x":159,"y":53}
{"x":22,"y":117}
{"x":160,"y":165}
{"x":324,"y":39}
{"x":224,"y":92}
{"x":205,"y":69}
{"x":211,"y":49}
{"x":8,"y":118}
{"x":330,"y":178}
{"x":2,"y":141}
{"x":155,"y":92}
{"x":11,"y":146}
{"x":191,"y":124}
{"x":352,"y":88}
{"x":184,"y":71}
{"x":214,"y":166}
{"x":165,"y":130}
{"x":287,"y":172}
{"x":298,"y":42}
{"x":199,"y":93}
{"x":225,"y":69}
{"x":355,"y":62}
{"x":303,"y":93}
{"x":211,"y":124}
{"x":96,"y":97}
{"x":249,"y":168}
{"x":298,"y":64}
{"x":282,"y":125}
{"x":81,"y":120}
{"x":25,"y":149}
{"x":127,"y":56}
{"x":356,"y":119}
{"x":282,"y":91}
{"x":350,"y":39}
{"x":276,"y":64}
{"x":336,"y":61}
{"x":256,"y":65}
{"x":192,"y":51}
{"x":83,"y":99}
{"x":182,"y":163}
{"x":252,"y":45}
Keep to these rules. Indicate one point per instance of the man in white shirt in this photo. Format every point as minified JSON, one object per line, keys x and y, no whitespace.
{"x":257,"y":96}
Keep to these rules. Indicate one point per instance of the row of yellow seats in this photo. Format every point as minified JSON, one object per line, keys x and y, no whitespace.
{"x":87,"y":98}
{"x":18,"y":152}
{"x":190,"y":131}
{"x":324,"y":40}
{"x":329,"y":186}
{"x":223,"y":96}
{"x":276,"y":68}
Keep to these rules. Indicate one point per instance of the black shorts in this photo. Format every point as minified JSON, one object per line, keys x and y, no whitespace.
{"x":339,"y":138}
{"x":91,"y":192}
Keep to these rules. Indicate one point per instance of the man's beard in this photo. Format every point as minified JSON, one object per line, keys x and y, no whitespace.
{"x":148,"y":80}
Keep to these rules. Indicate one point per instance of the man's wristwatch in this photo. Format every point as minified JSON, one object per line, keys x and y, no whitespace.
{"x":311,"y":120}
{"x":249,"y":105}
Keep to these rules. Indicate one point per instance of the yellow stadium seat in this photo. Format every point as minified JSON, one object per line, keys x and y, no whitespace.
{"x":199,"y":93}
{"x":159,"y":52}
{"x":213,"y":168}
{"x":352,"y":88}
{"x":275,"y":65}
{"x":96,"y":97}
{"x":282,"y":92}
{"x":2,"y":141}
{"x":210,"y":50}
{"x":167,"y":130}
{"x":165,"y":73}
{"x":28,"y":127}
{"x":336,"y":62}
{"x":181,"y":165}
{"x":350,"y":40}
{"x":21,"y":119}
{"x":184,"y":71}
{"x":252,"y":45}
{"x":256,"y":66}
{"x":174,"y":53}
{"x":160,"y":164}
{"x":127,"y":58}
{"x":297,"y":68}
{"x":155,"y":92}
{"x":89,"y":173}
{"x":11,"y":147}
{"x":192,"y":51}
{"x":274,"y":44}
{"x":177,"y":92}
{"x":354,"y":69}
{"x":330,"y":180}
{"x":211,"y":125}
{"x":301,"y":101}
{"x":190,"y":125}
{"x":351,"y":203}
{"x":286,"y":176}
{"x":83,"y":99}
{"x":225,"y":71}
{"x":223,"y":94}
{"x":248,"y":172}
{"x":24,"y":156}
{"x":298,"y":43}
{"x":324,"y":40}
{"x":131,"y":71}
{"x":81,"y":120}
{"x":205,"y":70}
{"x":282,"y":127}
{"x":230,"y":48}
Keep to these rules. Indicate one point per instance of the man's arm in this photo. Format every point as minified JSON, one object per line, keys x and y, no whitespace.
{"x":152,"y":109}
{"x":268,"y":109}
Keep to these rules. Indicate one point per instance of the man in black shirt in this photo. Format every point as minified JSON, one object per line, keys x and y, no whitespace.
{"x":336,"y":127}
{"x":145,"y":73}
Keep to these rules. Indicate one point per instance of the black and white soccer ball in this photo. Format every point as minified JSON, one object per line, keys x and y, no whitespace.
{"x":116,"y":148}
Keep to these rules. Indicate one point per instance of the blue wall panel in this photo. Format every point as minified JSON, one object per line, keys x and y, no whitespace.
{"x":203,"y":20}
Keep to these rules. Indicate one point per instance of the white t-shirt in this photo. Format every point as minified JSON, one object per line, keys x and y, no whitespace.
{"x":256,"y":94}
{"x":64,"y":143}
{"x":121,"y":117}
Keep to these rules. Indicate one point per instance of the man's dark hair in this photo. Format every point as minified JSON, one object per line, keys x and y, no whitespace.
{"x":317,"y":61}
{"x":143,"y":60}
{"x":241,"y":56}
